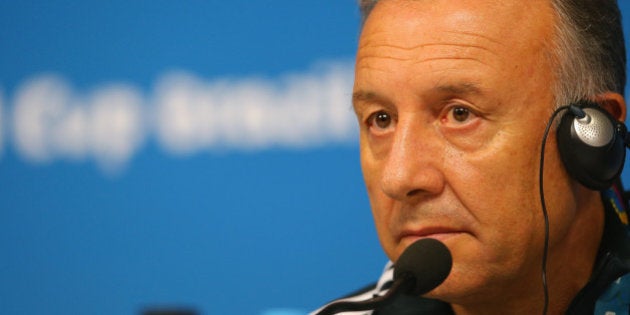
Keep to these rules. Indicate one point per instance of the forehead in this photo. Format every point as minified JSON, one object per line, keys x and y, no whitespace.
{"x":513,"y":24}
{"x":493,"y":45}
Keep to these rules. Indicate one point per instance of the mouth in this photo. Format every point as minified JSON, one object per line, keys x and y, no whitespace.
{"x":441,"y":234}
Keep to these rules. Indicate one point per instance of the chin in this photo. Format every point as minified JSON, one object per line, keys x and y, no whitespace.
{"x":458,"y":289}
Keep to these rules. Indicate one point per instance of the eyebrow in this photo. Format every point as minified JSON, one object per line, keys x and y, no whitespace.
{"x":461,"y":88}
{"x":363,"y":96}
{"x":360,"y":99}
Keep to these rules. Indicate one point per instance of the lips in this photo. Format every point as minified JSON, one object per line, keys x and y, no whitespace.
{"x":439,"y":233}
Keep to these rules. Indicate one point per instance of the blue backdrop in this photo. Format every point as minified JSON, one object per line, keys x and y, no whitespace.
{"x":196,"y":154}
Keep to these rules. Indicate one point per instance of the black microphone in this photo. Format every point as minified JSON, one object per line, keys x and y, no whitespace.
{"x":423,"y":266}
{"x":426,"y":262}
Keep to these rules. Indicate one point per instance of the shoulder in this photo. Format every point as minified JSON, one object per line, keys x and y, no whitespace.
{"x":362,"y":294}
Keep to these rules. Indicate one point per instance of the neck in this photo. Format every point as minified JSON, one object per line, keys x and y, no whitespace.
{"x":572,"y":260}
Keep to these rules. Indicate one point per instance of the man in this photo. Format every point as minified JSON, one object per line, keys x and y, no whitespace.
{"x":453,"y":98}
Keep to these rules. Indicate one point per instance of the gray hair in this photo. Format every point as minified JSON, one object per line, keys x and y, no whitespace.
{"x":588,"y":48}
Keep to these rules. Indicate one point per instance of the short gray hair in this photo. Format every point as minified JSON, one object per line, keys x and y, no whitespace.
{"x":588,"y":48}
{"x":366,"y":7}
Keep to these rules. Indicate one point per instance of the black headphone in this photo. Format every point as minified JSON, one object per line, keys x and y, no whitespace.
{"x":592,"y":144}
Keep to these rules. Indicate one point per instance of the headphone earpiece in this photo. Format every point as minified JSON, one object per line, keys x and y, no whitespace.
{"x":592,"y":145}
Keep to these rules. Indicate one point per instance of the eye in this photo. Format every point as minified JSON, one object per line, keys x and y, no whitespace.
{"x":380,"y":121}
{"x":459,"y":115}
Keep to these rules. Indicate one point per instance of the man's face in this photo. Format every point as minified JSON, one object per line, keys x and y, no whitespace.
{"x":452,"y":98}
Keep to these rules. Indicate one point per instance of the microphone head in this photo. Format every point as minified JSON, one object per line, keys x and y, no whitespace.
{"x":427,"y":261}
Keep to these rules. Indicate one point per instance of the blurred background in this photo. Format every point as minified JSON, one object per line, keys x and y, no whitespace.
{"x":188,"y":155}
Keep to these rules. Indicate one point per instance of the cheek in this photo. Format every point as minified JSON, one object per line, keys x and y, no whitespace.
{"x":561,"y":194}
{"x":499,"y":188}
{"x":507,"y":223}
{"x":503,"y":175}
{"x":377,"y":203}
{"x":380,"y":204}
{"x":383,"y":212}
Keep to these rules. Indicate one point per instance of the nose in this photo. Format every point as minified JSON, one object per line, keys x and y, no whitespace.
{"x":413,"y":166}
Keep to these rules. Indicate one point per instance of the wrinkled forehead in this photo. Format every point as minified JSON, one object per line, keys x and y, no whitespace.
{"x":513,"y":23}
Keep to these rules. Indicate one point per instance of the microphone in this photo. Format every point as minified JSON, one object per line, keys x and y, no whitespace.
{"x":426,"y":263}
{"x":423,"y":266}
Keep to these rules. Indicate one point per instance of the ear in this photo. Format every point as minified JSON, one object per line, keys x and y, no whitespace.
{"x":614,"y":104}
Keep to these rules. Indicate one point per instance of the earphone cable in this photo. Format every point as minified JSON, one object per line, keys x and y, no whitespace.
{"x":544,"y":207}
